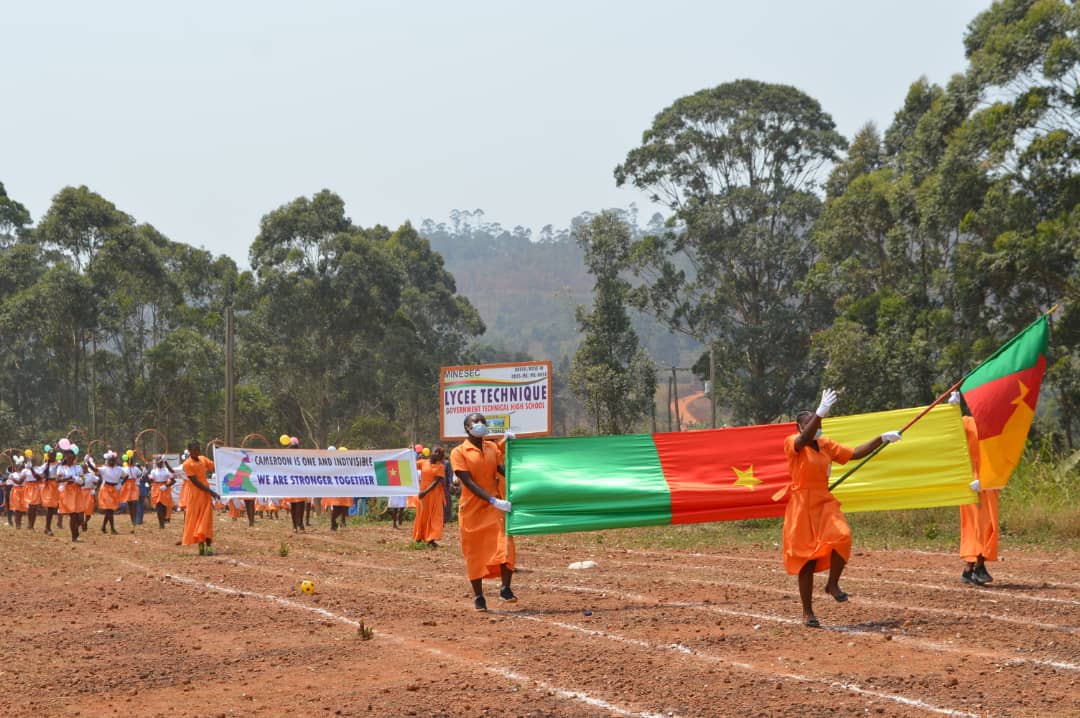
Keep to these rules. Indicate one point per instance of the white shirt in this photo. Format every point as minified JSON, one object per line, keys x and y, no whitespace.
{"x":160,"y":476}
{"x":132,"y":472}
{"x":12,"y":478}
{"x":72,"y":474}
{"x":111,"y":475}
{"x":28,"y":476}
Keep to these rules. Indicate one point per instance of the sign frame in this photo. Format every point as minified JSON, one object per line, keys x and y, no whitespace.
{"x":496,"y":427}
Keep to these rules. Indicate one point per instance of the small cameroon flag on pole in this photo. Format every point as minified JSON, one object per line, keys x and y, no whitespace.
{"x":393,"y":473}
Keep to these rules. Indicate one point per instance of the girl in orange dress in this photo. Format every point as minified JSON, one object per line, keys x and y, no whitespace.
{"x":50,"y":490}
{"x":129,"y":489}
{"x":111,"y":477}
{"x":428,"y":526}
{"x":488,"y":551}
{"x":816,"y":534}
{"x":16,"y":499}
{"x":89,"y":491}
{"x":162,"y":478}
{"x":199,"y":515}
{"x":32,"y":481}
{"x":70,"y":478}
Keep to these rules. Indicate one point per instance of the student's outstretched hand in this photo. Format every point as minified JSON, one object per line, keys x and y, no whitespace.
{"x":828,"y":398}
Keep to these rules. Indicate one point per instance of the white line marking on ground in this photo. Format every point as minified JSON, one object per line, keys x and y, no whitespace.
{"x":565,"y":693}
{"x":920,"y":643}
{"x":686,"y":650}
{"x":877,"y":602}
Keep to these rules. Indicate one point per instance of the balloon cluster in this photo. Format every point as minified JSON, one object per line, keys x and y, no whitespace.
{"x":422,"y":450}
{"x":286,"y":440}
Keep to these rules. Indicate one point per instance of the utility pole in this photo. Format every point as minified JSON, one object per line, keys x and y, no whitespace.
{"x":229,"y":419}
{"x":712,"y":385}
{"x":675,"y":392}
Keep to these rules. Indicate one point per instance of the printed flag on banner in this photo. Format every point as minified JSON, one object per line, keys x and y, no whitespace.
{"x":558,"y":485}
{"x":1002,"y":393}
{"x":394,"y":473}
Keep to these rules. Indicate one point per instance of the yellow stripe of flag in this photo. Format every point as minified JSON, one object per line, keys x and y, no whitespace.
{"x":930,"y":466}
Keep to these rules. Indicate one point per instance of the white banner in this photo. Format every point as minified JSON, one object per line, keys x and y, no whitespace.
{"x":510,"y":396}
{"x":299,"y":473}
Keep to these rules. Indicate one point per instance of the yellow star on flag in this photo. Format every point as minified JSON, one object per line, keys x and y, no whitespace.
{"x":746,"y":478}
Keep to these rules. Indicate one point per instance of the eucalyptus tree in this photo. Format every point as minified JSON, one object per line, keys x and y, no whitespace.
{"x":740,"y":166}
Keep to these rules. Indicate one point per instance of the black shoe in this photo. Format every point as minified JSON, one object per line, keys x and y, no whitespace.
{"x":969,"y":576}
{"x":480,"y":604}
{"x":982,"y":574}
{"x":507,"y":595}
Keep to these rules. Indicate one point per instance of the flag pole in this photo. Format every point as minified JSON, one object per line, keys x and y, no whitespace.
{"x":907,"y":426}
{"x":937,"y":401}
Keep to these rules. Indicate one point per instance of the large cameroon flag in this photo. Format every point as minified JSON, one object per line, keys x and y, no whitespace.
{"x":587,"y":483}
{"x":1002,"y":393}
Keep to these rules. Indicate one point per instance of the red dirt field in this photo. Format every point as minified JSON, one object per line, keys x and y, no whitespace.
{"x":132,"y":625}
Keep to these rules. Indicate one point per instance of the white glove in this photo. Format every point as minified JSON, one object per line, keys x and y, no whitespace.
{"x":828,"y":398}
{"x":954,"y":398}
{"x":890,"y":437}
{"x":508,"y":435}
{"x":501,"y":504}
{"x":975,"y":486}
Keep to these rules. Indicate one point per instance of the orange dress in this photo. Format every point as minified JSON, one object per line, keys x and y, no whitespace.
{"x":428,"y":525}
{"x":50,"y":490}
{"x":978,"y":522}
{"x":483,"y":527}
{"x":160,"y":491}
{"x":129,"y":489}
{"x":814,"y":526}
{"x":18,"y":494}
{"x":70,"y":489}
{"x":89,"y":482}
{"x":199,"y":514}
{"x":31,"y":487}
{"x":109,"y":493}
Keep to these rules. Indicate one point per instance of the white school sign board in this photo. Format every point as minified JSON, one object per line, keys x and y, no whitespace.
{"x":297,"y":473}
{"x":515,"y":396}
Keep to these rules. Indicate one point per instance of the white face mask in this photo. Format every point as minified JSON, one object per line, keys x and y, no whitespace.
{"x":478,"y":430}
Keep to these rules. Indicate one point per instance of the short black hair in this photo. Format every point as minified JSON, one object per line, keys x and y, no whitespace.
{"x":801,"y":414}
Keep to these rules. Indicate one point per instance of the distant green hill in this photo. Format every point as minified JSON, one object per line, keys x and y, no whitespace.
{"x":526,"y":287}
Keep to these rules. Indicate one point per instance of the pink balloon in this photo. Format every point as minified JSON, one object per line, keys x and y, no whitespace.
{"x":418,"y":448}
{"x":294,"y":441}
{"x":64,"y":444}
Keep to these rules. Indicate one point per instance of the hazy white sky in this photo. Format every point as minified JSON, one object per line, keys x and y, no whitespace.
{"x":200,"y":117}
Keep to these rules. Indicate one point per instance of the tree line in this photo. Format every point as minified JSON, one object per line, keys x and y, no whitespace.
{"x":888,"y":266}
{"x":110,"y":327}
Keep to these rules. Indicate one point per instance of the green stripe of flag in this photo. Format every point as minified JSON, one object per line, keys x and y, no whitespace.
{"x":586,"y":483}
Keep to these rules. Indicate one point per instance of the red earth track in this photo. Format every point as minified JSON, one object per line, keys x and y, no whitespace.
{"x":133,"y":625}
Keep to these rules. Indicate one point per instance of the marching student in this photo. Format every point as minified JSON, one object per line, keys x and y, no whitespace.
{"x":50,"y":489}
{"x":978,"y":522}
{"x":32,"y":481}
{"x":16,"y":500}
{"x":111,"y":477}
{"x":70,"y":478}
{"x":428,"y":526}
{"x":816,"y":534}
{"x":129,"y":489}
{"x":199,"y":514}
{"x":488,"y":551}
{"x":162,"y":478}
